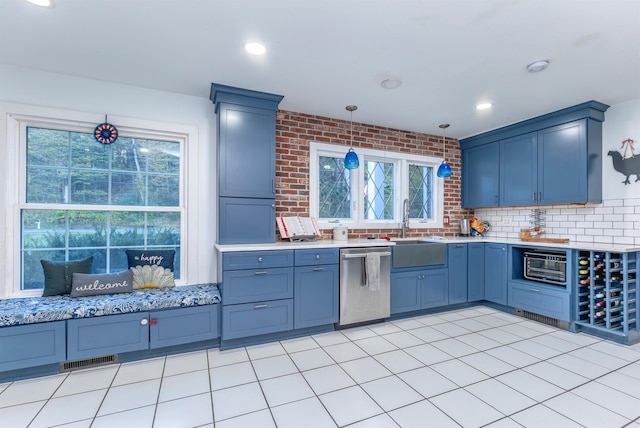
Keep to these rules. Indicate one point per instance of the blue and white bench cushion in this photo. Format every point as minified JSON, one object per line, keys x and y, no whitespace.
{"x":31,"y":310}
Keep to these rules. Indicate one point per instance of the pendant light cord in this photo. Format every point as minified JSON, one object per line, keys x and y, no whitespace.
{"x":444,"y":127}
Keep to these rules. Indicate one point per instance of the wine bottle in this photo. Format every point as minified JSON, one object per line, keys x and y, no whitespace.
{"x":600,"y":314}
{"x":583,"y":271}
{"x":583,"y":261}
{"x":585,"y":281}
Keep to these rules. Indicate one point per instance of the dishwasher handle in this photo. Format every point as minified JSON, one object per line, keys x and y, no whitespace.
{"x":363,"y":255}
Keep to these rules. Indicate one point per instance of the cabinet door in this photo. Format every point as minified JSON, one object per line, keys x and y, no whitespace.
{"x":475,"y":271}
{"x":480,"y":176}
{"x":563,"y":163}
{"x":32,"y":345}
{"x":246,"y":221}
{"x":518,"y":170}
{"x":251,"y":285}
{"x":457,"y":259}
{"x":253,"y":319}
{"x":183,"y":325}
{"x":434,"y":288}
{"x":315,"y":296}
{"x":247,"y":151}
{"x":405,"y":291}
{"x":495,"y":273}
{"x":113,"y":334}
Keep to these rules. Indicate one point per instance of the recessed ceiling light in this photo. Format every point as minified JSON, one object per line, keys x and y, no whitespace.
{"x":255,"y":48}
{"x":483,"y":106}
{"x":537,"y":66}
{"x":391,"y":83}
{"x":42,"y":3}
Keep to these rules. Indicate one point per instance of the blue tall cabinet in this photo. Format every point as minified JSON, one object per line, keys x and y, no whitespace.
{"x":246,"y":134}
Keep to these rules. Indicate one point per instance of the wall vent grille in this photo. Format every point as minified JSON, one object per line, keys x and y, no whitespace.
{"x":553,"y":322}
{"x":88,"y":362}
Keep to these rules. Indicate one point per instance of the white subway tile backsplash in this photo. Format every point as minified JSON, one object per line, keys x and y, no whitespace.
{"x":615,"y":220}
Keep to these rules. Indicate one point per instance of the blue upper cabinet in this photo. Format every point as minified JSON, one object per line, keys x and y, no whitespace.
{"x":480,"y":176}
{"x":518,"y":170}
{"x":551,"y":159}
{"x":246,"y":134}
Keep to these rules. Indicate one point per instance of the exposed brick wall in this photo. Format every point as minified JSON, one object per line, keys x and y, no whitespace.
{"x":294,"y":132}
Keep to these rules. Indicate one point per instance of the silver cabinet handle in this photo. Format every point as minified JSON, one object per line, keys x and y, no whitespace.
{"x":317,"y":256}
{"x":260,"y":259}
{"x":539,"y":196}
{"x":535,"y":290}
{"x":144,"y":321}
{"x":503,"y":249}
{"x":261,"y":306}
{"x":262,"y":272}
{"x":318,"y":268}
{"x":533,"y":196}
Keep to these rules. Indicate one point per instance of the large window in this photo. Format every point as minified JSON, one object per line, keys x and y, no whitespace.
{"x":372,"y":196}
{"x":80,"y":198}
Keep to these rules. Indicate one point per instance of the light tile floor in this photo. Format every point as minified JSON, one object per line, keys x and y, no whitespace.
{"x":471,"y":368}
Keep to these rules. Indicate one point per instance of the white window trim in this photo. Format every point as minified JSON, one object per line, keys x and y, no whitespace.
{"x":13,"y":118}
{"x":401,"y":187}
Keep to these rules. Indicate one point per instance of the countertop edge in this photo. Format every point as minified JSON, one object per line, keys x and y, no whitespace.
{"x":351,"y":243}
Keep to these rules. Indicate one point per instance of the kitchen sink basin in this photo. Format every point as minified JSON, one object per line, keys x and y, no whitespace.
{"x":414,"y":253}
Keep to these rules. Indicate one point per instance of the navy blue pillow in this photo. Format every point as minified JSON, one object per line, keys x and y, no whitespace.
{"x":58,"y":276}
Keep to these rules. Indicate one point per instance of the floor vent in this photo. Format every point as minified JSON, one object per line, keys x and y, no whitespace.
{"x":88,"y":362}
{"x":542,"y":319}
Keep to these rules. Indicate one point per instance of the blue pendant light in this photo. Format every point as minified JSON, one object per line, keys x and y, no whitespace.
{"x":444,"y":170}
{"x":351,"y":160}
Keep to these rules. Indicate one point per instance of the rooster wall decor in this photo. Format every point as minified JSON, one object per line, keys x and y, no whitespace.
{"x":626,"y":166}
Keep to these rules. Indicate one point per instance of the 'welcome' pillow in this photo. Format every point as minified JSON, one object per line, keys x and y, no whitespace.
{"x":151,"y":268}
{"x":104,"y":283}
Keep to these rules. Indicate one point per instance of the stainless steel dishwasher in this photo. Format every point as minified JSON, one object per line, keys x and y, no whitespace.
{"x":359,"y":302}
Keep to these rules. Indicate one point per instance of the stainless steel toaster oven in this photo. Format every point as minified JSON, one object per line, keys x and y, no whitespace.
{"x":546,"y":266}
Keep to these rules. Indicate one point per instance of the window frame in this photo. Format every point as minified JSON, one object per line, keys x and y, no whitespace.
{"x":401,"y":163}
{"x":19,"y":118}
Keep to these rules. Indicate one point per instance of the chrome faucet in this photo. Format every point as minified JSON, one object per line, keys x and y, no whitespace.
{"x":405,"y":217}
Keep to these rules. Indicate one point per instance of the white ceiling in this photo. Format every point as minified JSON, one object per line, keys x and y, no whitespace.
{"x":325,"y":54}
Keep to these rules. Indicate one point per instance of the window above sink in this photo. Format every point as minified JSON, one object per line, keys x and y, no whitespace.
{"x":372,"y":195}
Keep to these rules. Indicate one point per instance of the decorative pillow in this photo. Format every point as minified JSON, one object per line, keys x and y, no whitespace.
{"x":58,"y":276}
{"x":104,"y":283}
{"x":151,"y":268}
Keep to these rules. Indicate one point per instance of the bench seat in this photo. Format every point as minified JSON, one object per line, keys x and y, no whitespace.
{"x":30,"y":310}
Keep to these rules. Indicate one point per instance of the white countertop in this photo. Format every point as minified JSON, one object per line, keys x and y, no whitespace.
{"x":329,"y":243}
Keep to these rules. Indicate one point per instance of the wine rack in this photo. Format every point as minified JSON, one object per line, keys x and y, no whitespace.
{"x":607,"y":292}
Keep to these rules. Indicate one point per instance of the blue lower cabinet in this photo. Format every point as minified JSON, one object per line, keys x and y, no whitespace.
{"x":113,"y":334}
{"x":434,"y":289}
{"x":253,"y":285}
{"x":415,"y":290}
{"x":405,"y":292}
{"x":541,"y":300}
{"x":116,"y":334}
{"x":252,"y":319}
{"x":457,"y":262}
{"x":32,"y":345}
{"x":495,"y":273}
{"x":475,"y":271}
{"x":316,"y":295}
{"x":184,"y":325}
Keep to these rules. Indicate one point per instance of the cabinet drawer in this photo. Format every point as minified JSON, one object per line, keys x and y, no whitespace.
{"x":540,"y":300}
{"x":257,"y":259}
{"x":324,"y":256}
{"x":183,"y":325}
{"x":93,"y":337}
{"x":244,"y":286}
{"x":253,"y":319}
{"x":32,"y":345}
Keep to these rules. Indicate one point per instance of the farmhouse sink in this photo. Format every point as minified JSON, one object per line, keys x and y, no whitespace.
{"x":412,"y":253}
